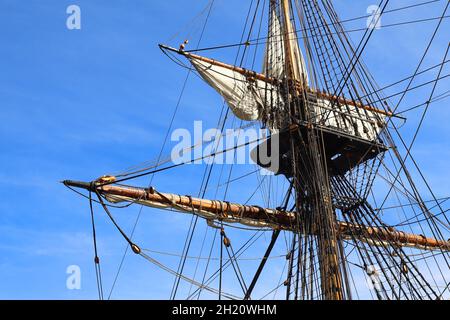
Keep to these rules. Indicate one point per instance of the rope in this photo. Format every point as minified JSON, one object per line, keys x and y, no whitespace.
{"x":98,"y":273}
{"x":256,"y":41}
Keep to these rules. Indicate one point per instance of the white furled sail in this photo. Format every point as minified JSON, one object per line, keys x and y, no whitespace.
{"x":246,"y":97}
{"x":349,"y":119}
{"x":257,"y":97}
{"x":250,"y":99}
{"x":274,"y":61}
{"x":275,"y":55}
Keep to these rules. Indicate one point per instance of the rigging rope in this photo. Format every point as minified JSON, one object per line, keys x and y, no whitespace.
{"x":367,"y":252}
{"x":98,"y":273}
{"x":257,"y":41}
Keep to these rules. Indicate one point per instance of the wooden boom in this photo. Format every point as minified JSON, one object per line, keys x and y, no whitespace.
{"x":254,"y":216}
{"x":259,"y":76}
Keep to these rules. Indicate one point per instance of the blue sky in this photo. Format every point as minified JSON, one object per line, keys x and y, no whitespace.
{"x":82,"y":103}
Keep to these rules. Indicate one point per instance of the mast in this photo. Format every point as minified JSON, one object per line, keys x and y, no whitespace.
{"x":315,"y":193}
{"x":290,"y":71}
{"x":373,"y":234}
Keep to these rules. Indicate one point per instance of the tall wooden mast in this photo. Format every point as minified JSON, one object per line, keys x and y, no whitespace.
{"x":313,"y":195}
{"x":287,"y":27}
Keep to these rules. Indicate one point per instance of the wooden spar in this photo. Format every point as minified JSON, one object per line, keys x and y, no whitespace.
{"x":392,"y":236}
{"x":232,"y":212}
{"x":245,"y":72}
{"x":250,"y":74}
{"x":289,"y":54}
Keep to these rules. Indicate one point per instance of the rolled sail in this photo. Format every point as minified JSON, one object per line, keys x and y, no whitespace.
{"x":253,"y":99}
{"x":348,"y":119}
{"x":275,"y":54}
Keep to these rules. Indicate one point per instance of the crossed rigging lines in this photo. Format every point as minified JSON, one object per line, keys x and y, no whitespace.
{"x":179,"y":272}
{"x":258,"y":41}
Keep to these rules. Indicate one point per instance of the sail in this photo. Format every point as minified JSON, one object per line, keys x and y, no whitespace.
{"x":274,"y":61}
{"x":247,"y":98}
{"x":275,"y":54}
{"x":251,"y":98}
{"x":348,"y":118}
